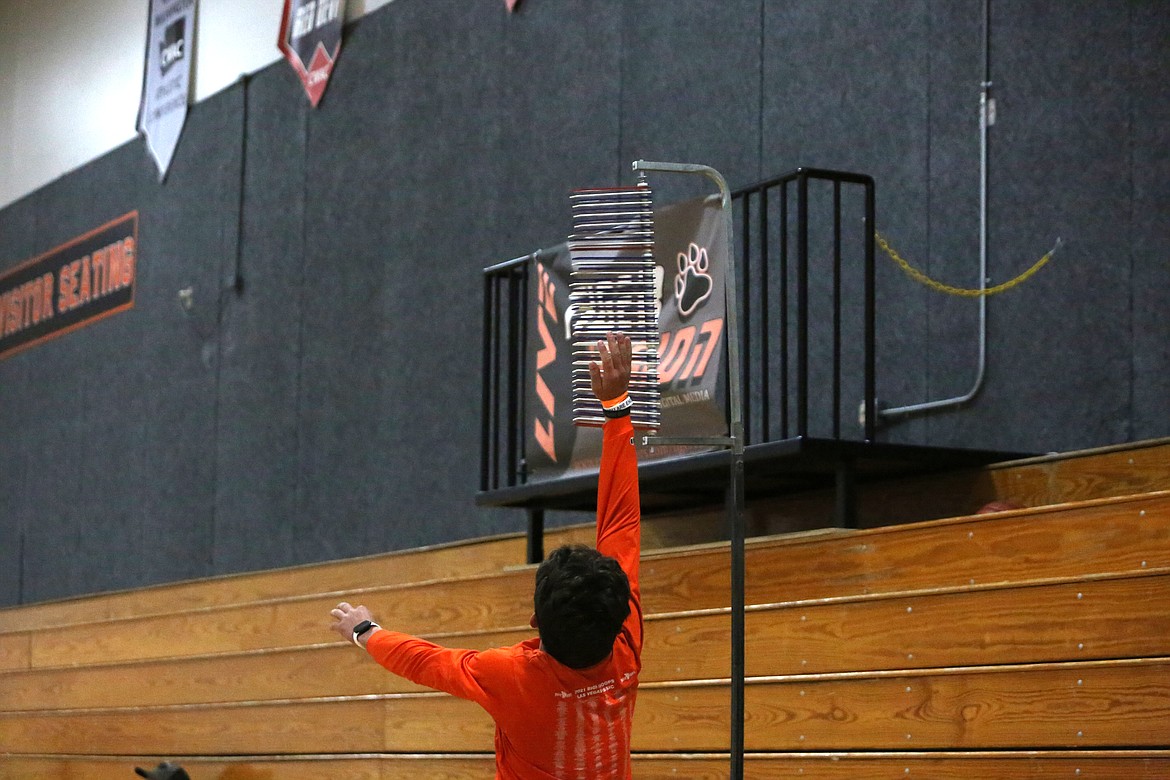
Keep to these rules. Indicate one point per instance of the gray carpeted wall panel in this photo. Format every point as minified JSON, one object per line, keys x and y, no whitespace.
{"x":848,"y":90}
{"x":950,"y":252}
{"x":54,"y":514}
{"x":1149,"y":112}
{"x":445,"y":200}
{"x":257,"y":448}
{"x":559,"y":129}
{"x":17,"y":431}
{"x":82,"y":463}
{"x":559,"y":119}
{"x":690,"y":92}
{"x":190,"y":243}
{"x":349,"y":224}
{"x":1057,"y":170}
{"x":391,"y":349}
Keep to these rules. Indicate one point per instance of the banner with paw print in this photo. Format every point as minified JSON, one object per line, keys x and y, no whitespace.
{"x":689,"y":253}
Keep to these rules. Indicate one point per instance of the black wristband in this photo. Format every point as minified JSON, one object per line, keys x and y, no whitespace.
{"x":362,"y":628}
{"x":619,"y":410}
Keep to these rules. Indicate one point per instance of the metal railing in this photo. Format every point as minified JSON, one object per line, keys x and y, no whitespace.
{"x":805,"y":254}
{"x":780,"y":317}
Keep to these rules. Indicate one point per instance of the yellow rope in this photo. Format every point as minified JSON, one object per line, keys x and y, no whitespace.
{"x":914,"y":273}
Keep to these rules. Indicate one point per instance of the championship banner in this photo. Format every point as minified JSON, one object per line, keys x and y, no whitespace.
{"x":689,"y":252}
{"x":166,"y":83}
{"x":310,"y":39}
{"x":79,"y":282}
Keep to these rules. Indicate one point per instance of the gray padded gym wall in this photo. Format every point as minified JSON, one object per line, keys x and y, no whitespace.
{"x":1146,"y":250}
{"x":258,"y":444}
{"x":114,"y":424}
{"x":1058,"y":170}
{"x":319,"y":396}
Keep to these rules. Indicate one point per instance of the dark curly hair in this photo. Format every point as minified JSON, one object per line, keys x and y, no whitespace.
{"x":582,"y":598}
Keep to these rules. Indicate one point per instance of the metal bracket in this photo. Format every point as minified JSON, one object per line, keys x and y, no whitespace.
{"x":698,"y":441}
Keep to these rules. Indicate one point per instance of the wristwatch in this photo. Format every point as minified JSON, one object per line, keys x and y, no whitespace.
{"x":362,"y":628}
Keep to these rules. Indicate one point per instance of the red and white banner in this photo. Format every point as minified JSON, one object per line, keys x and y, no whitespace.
{"x":689,"y":252}
{"x":310,"y":39}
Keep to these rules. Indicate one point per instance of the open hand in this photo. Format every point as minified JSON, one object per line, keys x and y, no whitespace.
{"x":610,"y":376}
{"x":346,"y":617}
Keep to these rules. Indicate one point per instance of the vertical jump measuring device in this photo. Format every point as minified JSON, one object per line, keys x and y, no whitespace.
{"x":612,"y":288}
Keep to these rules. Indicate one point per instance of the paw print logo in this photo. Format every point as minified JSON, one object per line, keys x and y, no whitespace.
{"x":693,"y":284}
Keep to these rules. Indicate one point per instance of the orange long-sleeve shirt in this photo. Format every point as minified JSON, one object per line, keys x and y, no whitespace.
{"x":552,"y":722}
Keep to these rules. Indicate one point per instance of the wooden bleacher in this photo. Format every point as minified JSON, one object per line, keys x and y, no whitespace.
{"x":1029,"y":643}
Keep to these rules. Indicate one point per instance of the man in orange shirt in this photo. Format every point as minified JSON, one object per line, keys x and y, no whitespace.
{"x":563,"y":703}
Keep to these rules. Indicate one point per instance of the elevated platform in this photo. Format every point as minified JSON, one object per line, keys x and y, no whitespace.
{"x":772,"y":469}
{"x":805,"y":349}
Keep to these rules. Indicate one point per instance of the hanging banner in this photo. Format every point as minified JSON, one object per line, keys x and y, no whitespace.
{"x":79,"y":282}
{"x":689,"y":252}
{"x":310,"y":39}
{"x":167,"y":80}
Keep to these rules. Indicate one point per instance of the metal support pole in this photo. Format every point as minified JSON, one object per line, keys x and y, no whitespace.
{"x":535,"y":535}
{"x":845,"y":510}
{"x":735,"y":442}
{"x":802,"y":304}
{"x":487,"y":399}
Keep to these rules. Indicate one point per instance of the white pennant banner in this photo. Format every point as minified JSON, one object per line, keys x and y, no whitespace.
{"x":166,"y":82}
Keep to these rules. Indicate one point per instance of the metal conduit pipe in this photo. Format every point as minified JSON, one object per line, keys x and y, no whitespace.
{"x":985,"y":108}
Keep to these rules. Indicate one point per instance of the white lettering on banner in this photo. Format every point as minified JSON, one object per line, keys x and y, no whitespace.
{"x":327,"y":11}
{"x":682,"y":399}
{"x":303,"y":19}
{"x":179,"y":8}
{"x":171,"y":105}
{"x":314,"y":15}
{"x":172,"y":54}
{"x":169,"y":86}
{"x":659,"y":285}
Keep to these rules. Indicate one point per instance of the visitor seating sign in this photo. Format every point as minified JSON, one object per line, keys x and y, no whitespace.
{"x":81,"y":281}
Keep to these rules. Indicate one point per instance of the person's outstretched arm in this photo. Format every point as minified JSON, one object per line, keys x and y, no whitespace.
{"x":618,"y":502}
{"x":418,"y":660}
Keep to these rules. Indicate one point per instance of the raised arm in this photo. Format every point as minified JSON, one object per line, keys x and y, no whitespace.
{"x":618,"y":502}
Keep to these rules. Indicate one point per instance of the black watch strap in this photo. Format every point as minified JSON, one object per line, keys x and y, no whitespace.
{"x":362,"y":628}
